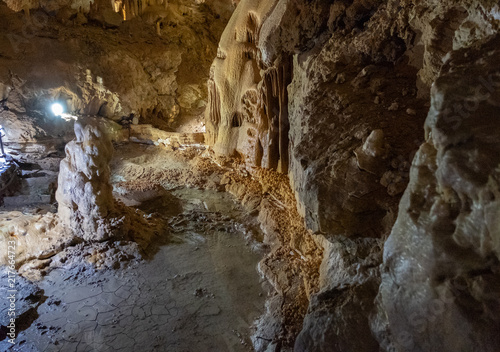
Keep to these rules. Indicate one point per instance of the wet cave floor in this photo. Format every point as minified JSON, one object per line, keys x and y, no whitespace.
{"x":198,"y":292}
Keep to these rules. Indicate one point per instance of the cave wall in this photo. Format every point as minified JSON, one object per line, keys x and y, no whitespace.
{"x":335,"y":95}
{"x":440,"y":276}
{"x":153,"y":65}
{"x":334,"y":88}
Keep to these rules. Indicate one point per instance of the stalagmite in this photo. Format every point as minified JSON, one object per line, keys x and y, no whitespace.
{"x":84,"y":194}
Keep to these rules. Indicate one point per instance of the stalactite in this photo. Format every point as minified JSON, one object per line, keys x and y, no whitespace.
{"x":214,"y":101}
{"x":274,"y":122}
{"x":22,"y":5}
{"x":214,"y":112}
{"x":135,"y":8}
{"x":271,"y":148}
{"x":259,"y":151}
{"x":284,"y":70}
{"x":129,"y":8}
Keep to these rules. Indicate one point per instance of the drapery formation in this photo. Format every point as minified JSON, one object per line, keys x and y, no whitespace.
{"x":274,"y":125}
{"x":263,"y":111}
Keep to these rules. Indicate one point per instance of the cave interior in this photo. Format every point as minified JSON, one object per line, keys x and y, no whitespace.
{"x":250,"y":175}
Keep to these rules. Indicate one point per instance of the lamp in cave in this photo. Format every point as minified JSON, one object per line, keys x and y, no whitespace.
{"x":57,"y":109}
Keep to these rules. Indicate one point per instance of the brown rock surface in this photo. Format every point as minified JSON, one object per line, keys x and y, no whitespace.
{"x":335,"y":95}
{"x":440,"y":275}
{"x":314,"y":112}
{"x":149,"y":69}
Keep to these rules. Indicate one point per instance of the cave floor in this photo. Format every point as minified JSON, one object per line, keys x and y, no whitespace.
{"x":198,"y":292}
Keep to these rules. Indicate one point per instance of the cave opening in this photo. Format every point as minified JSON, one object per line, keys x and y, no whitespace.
{"x":249,"y":175}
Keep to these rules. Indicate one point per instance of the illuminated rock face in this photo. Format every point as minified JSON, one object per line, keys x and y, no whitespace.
{"x":248,"y":108}
{"x":84,"y":194}
{"x":336,"y":94}
{"x":49,"y":5}
{"x":440,"y":278}
{"x":332,"y":93}
{"x":302,"y":86}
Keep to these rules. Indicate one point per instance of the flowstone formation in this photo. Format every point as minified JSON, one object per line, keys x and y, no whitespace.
{"x":85,"y":197}
{"x":440,"y":278}
{"x":247,"y":111}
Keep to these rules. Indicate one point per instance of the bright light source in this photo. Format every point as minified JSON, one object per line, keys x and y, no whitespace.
{"x":57,"y":109}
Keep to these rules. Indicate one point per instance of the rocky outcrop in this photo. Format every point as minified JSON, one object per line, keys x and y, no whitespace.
{"x":439,"y":289}
{"x":248,"y":106}
{"x":349,"y":279}
{"x":358,"y":69}
{"x":86,"y":206}
{"x":335,"y":95}
{"x":87,"y":211}
{"x":85,"y":196}
{"x":150,"y":135}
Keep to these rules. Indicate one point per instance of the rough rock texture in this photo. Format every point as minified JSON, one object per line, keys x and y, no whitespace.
{"x":357,"y":70}
{"x":336,"y":319}
{"x":335,"y":95}
{"x":88,"y":214}
{"x":86,"y":205}
{"x":247,"y":107}
{"x":331,"y":94}
{"x":148,"y":134}
{"x":142,"y":66}
{"x":441,"y":272}
{"x":38,"y":237}
{"x":85,"y":196}
{"x":8,"y":177}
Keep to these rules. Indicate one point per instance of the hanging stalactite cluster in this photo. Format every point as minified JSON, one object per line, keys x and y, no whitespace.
{"x":274,"y":125}
{"x":134,"y":8}
{"x":214,"y":115}
{"x":261,"y":114}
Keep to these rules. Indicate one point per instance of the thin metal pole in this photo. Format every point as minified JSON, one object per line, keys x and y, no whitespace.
{"x":1,"y":144}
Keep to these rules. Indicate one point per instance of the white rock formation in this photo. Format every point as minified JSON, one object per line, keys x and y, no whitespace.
{"x":84,"y":194}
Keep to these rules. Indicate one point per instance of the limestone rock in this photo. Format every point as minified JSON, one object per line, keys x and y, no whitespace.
{"x":36,"y":237}
{"x":277,"y":100}
{"x":84,"y":194}
{"x":248,"y":112}
{"x":370,"y":156}
{"x":19,"y":129}
{"x":4,"y":91}
{"x":336,"y":318}
{"x":440,"y":276}
{"x":114,"y":72}
{"x":106,"y":15}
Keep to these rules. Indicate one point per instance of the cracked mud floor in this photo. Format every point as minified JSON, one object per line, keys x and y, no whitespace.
{"x":200,"y":292}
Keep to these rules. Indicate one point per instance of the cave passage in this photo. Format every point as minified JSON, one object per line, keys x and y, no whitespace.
{"x":250,"y":175}
{"x":200,"y":291}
